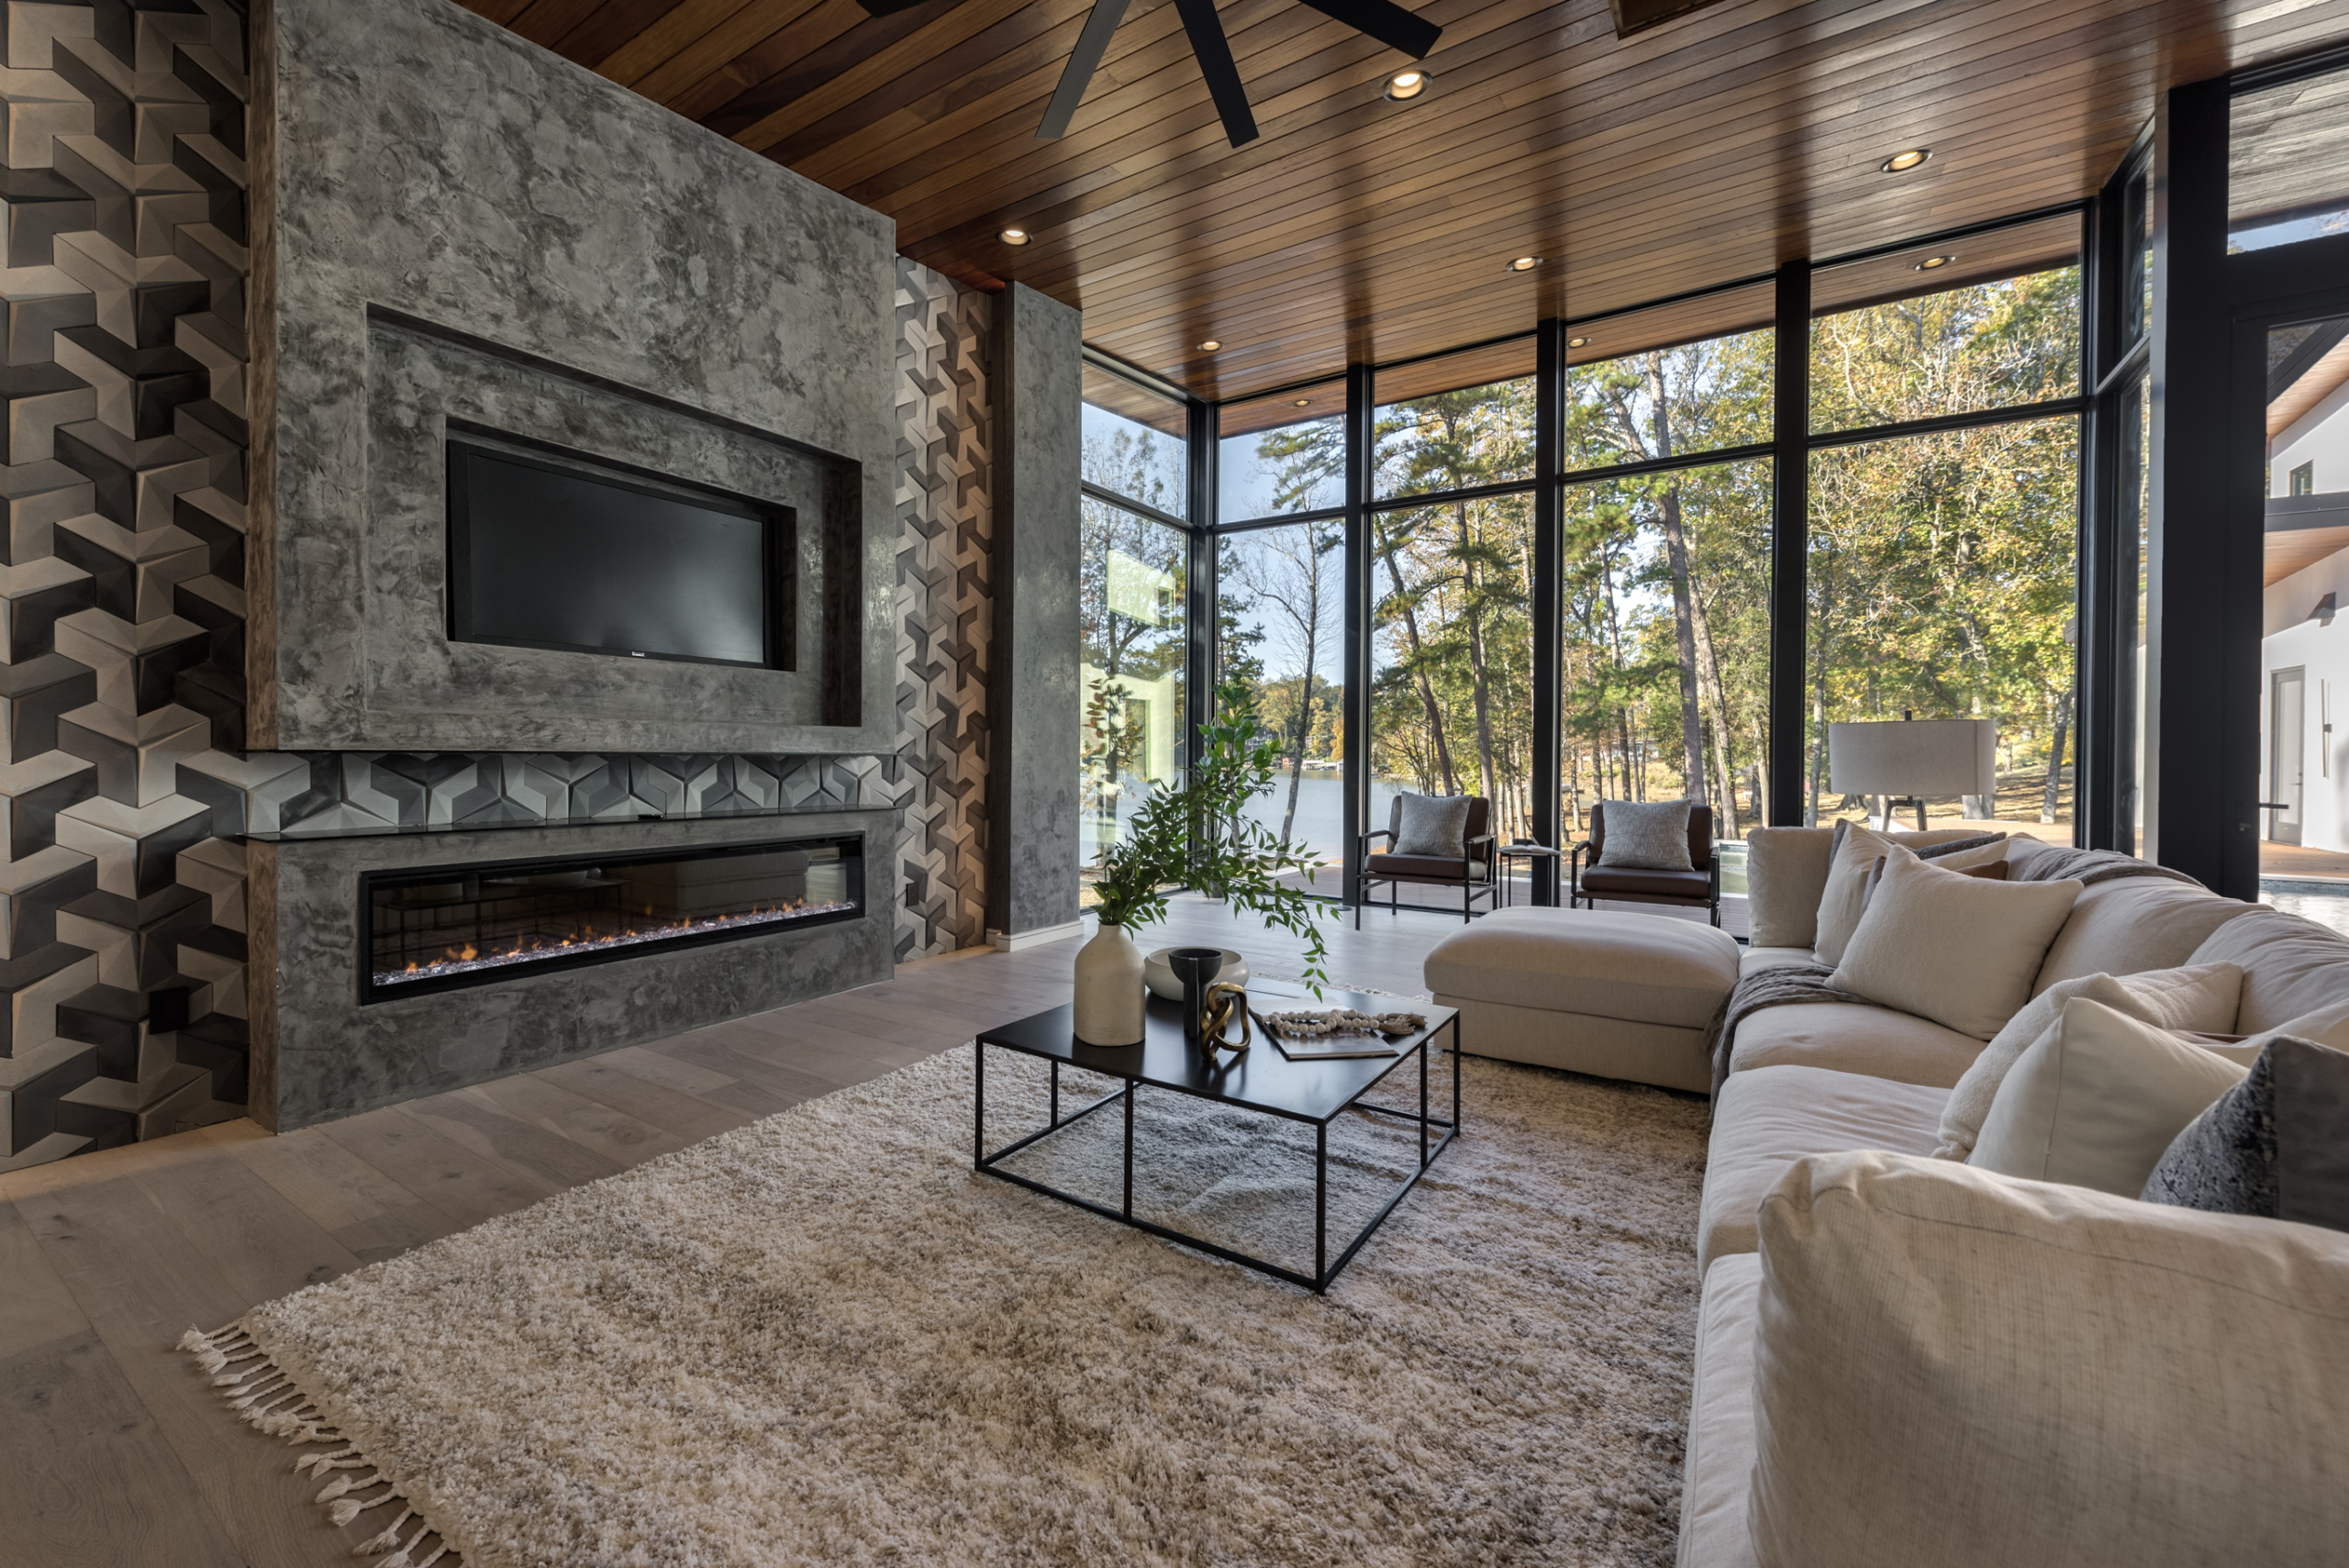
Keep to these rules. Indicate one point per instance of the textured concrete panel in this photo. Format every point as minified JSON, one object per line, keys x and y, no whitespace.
{"x":425,"y":689}
{"x":329,"y":1056}
{"x":430,"y":163}
{"x":1037,"y":715}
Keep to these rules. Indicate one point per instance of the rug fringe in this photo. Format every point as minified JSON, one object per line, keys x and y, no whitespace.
{"x":264,"y":1397}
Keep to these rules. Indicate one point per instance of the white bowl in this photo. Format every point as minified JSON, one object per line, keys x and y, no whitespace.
{"x":1159,"y":975}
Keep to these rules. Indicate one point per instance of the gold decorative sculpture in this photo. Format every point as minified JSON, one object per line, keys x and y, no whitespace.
{"x":1224,"y":1002}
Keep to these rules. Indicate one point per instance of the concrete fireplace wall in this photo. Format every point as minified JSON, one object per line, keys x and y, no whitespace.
{"x":427,"y":163}
{"x":335,"y":1057}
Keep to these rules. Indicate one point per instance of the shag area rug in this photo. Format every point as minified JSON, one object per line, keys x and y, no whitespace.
{"x":823,"y":1339}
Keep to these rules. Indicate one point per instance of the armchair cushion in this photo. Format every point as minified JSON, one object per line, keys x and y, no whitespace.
{"x":1424,"y":868}
{"x":1607,"y":879}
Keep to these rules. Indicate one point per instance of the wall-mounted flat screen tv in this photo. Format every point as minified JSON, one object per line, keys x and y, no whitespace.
{"x":550,"y":553}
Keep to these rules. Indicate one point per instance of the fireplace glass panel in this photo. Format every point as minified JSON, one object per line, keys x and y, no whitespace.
{"x":438,"y":929}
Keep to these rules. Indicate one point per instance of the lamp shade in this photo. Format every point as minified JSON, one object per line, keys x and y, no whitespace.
{"x":1920,"y":757}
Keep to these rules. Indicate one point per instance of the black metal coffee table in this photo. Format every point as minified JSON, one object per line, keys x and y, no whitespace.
{"x":1262,"y":1080}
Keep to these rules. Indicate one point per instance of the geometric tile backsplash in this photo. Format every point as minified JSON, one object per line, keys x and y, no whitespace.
{"x":122,"y":616}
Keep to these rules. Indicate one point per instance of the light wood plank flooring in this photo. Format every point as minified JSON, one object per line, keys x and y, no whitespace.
{"x":114,"y":1451}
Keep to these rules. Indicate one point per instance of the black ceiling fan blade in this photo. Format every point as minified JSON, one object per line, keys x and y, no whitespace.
{"x":1385,"y":21}
{"x":889,"y":7}
{"x":1078,"y":72}
{"x":1214,"y":51}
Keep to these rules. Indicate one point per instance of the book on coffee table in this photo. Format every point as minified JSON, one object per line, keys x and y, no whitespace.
{"x":1324,"y":1047}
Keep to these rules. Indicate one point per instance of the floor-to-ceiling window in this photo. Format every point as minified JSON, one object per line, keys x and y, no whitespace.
{"x":1938,"y":573}
{"x":1450,"y":557}
{"x":1280,"y":620}
{"x":1664,"y":603}
{"x":1132,"y":597}
{"x":1942,"y":575}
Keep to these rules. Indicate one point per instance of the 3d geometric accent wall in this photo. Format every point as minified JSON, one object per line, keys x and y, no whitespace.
{"x":946,"y":606}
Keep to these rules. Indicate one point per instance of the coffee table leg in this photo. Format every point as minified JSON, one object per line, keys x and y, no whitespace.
{"x":1423,"y":1105}
{"x":1056,"y":1091}
{"x":1321,"y":1206}
{"x":979,"y":1104}
{"x":1129,"y":1150}
{"x":1455,"y":1073}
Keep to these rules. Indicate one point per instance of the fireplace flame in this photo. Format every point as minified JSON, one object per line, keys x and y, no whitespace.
{"x":523,"y":949}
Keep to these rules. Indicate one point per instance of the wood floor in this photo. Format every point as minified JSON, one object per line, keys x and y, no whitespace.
{"x":114,"y":1450}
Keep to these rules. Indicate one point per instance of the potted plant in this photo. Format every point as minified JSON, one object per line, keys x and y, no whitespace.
{"x":1193,"y":834}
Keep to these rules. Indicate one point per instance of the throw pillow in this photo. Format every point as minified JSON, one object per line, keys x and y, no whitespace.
{"x":1646,"y":834}
{"x":1954,"y":949}
{"x":2200,"y":1000}
{"x":2098,"y":1100}
{"x":1952,"y":1370}
{"x":1433,"y":825}
{"x":1857,"y":850}
{"x":2275,"y":1145}
{"x":1786,"y":870}
{"x":1966,"y":865}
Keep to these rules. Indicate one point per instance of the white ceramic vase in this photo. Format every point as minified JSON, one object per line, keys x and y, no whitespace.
{"x":1110,"y":989}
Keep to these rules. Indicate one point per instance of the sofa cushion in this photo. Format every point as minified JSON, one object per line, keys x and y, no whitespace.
{"x":1877,"y":1041}
{"x":1772,"y":1117}
{"x":1669,"y":884}
{"x":2132,"y":924}
{"x":1758,"y":958}
{"x":2199,"y":999}
{"x":2291,"y":966}
{"x":1858,"y":848}
{"x":1653,"y":968}
{"x":1716,"y":1469}
{"x":2097,"y":1100}
{"x":1955,"y":1369}
{"x":1786,"y":872}
{"x":1952,"y":948}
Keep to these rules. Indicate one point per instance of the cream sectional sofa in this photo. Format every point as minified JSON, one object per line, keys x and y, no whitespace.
{"x":1838,"y":1087}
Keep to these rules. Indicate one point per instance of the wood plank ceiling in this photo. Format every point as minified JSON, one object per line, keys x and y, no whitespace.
{"x":1710,"y":148}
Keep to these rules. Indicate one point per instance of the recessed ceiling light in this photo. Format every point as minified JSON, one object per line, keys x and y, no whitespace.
{"x":1305,"y":402}
{"x":1525,"y":263}
{"x":1902,"y":163}
{"x":1577,"y":342}
{"x":1934,"y":264}
{"x":1404,"y":86}
{"x":1210,"y":347}
{"x":1013,"y":236}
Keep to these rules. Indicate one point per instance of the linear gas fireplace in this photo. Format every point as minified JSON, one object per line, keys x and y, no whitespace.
{"x":440,"y":928}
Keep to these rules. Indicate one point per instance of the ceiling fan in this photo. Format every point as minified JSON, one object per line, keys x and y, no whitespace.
{"x":1381,"y":20}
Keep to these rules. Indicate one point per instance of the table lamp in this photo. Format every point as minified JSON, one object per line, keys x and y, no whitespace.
{"x":1908,"y":760}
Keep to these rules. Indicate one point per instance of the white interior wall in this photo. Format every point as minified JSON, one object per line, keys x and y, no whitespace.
{"x":2295,"y":638}
{"x":2321,"y":435}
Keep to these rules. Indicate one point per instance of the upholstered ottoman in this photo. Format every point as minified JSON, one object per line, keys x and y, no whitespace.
{"x":1593,"y":991}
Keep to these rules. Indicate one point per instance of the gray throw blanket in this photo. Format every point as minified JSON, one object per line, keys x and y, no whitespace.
{"x":1781,"y":986}
{"x":2056,"y":864}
